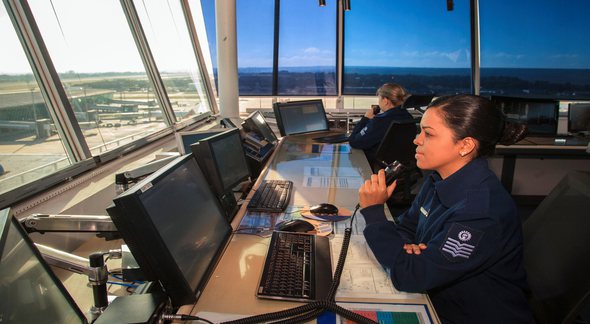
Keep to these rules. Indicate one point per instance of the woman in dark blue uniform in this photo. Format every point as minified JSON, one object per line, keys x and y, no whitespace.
{"x":371,"y":129}
{"x":461,"y":240}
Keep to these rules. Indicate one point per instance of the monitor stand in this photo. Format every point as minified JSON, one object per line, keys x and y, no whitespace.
{"x":229,"y":204}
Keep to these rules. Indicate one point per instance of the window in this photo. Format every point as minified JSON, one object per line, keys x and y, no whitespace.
{"x":415,"y":43}
{"x":255,"y":28}
{"x":203,"y":17}
{"x":100,"y":68}
{"x":167,"y":33}
{"x":30,"y":147}
{"x":535,"y":48}
{"x":307,"y":48}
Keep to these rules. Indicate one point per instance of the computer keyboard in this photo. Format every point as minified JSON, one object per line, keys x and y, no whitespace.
{"x":272,"y":196}
{"x":338,"y":138}
{"x":289,"y":267}
{"x":268,"y":114}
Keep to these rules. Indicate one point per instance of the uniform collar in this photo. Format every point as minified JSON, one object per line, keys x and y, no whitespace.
{"x":452,"y":189}
{"x":397,"y":110}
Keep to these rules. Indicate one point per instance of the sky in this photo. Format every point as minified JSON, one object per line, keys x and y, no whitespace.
{"x":415,"y":33}
{"x":93,"y":35}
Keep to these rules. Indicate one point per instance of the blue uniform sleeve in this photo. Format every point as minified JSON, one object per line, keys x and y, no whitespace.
{"x":408,"y":221}
{"x":356,"y":131}
{"x":406,"y":229}
{"x":465,"y":242}
{"x":370,"y":134}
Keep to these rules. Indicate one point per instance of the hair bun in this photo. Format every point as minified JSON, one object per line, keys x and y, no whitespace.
{"x":513,"y":132}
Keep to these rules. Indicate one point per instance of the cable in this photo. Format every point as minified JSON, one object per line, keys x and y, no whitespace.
{"x":182,"y":317}
{"x":122,"y":284}
{"x":276,"y":315}
{"x":119,"y":277}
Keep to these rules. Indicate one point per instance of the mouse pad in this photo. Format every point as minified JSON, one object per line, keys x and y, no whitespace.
{"x":321,"y":228}
{"x":343,"y":213}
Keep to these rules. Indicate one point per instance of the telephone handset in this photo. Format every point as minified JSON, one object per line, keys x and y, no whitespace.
{"x":376,"y":109}
{"x":393,"y":171}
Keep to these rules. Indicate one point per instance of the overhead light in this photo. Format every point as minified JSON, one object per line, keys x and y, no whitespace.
{"x":449,"y":5}
{"x":322,"y":3}
{"x":346,"y":5}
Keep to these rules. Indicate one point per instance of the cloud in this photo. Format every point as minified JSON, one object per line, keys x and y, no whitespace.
{"x":452,"y":56}
{"x":509,"y":56}
{"x":311,"y":56}
{"x":311,"y":50}
{"x":565,"y":56}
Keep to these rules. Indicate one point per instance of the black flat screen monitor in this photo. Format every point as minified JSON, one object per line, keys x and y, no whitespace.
{"x":256,"y":123}
{"x":579,"y":118}
{"x":299,"y":117}
{"x":185,"y":139}
{"x":222,"y":159}
{"x":174,"y":227}
{"x":29,"y":290}
{"x":540,"y":115}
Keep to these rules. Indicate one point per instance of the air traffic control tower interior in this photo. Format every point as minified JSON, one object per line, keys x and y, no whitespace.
{"x":113,"y":122}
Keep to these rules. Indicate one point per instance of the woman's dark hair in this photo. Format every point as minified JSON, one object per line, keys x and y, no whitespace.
{"x":475,"y":116}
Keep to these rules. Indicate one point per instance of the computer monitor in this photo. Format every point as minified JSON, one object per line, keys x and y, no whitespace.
{"x":185,"y":139}
{"x":298,"y":117}
{"x":29,"y":290}
{"x":227,"y":123}
{"x":256,"y":123}
{"x":222,"y":159}
{"x":174,"y":227}
{"x":540,"y":115}
{"x":579,"y":118}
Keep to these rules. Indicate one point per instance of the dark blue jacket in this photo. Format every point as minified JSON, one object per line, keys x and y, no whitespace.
{"x":368,"y":133}
{"x":472,"y":268}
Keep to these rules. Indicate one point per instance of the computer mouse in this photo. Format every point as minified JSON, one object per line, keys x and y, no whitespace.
{"x":324,"y":209}
{"x":296,"y":225}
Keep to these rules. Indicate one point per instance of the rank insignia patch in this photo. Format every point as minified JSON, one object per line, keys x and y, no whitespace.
{"x":460,"y":243}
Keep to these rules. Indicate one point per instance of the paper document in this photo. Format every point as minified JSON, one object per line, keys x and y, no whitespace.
{"x":330,"y":171}
{"x":363,"y":276}
{"x":332,"y":182}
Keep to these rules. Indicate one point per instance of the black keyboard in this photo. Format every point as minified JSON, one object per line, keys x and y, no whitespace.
{"x":272,"y":196}
{"x":289,"y":267}
{"x":268,"y":114}
{"x":338,"y":138}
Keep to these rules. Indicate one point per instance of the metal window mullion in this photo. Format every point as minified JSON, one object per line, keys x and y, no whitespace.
{"x":48,"y":80}
{"x":209,"y":84}
{"x":148,"y":60}
{"x":475,"y":48}
{"x":275,"y":52}
{"x":339,"y":53}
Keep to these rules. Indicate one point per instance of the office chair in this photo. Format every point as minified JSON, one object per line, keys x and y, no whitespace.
{"x":417,"y":101}
{"x":398,"y":144}
{"x":557,"y":251}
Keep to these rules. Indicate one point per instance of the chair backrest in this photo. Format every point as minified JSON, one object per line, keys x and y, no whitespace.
{"x":417,"y":101}
{"x":557,"y":251}
{"x":398,"y":143}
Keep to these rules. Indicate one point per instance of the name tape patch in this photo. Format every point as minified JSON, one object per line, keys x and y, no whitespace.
{"x":424,"y":211}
